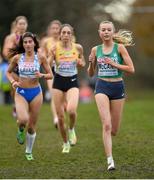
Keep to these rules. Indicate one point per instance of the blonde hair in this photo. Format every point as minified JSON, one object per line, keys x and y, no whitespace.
{"x":20,"y":17}
{"x":55,"y":22}
{"x":122,"y":36}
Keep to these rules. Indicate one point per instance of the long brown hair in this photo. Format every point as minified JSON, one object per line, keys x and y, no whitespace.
{"x":19,"y":48}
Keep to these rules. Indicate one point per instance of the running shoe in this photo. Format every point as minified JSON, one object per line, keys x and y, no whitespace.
{"x":111,"y":166}
{"x":72,"y":137}
{"x":55,"y":122}
{"x":20,"y":137}
{"x":29,"y":156}
{"x":66,"y":148}
{"x":56,"y":125}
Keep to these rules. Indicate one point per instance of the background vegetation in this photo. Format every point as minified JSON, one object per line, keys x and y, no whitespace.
{"x":84,"y":16}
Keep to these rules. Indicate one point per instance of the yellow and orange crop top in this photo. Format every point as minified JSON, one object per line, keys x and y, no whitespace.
{"x":66,"y":60}
{"x":49,"y":44}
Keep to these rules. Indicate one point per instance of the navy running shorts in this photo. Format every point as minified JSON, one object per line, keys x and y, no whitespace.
{"x":114,"y":90}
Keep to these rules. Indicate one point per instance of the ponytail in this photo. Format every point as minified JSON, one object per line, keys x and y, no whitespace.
{"x":124,"y":37}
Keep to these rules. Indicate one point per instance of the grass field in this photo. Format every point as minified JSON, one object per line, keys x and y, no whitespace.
{"x":133,"y":148}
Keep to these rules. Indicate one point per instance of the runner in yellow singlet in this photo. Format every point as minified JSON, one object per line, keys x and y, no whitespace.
{"x":68,"y":57}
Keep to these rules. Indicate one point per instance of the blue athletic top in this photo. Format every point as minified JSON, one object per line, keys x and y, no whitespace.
{"x":28,"y":69}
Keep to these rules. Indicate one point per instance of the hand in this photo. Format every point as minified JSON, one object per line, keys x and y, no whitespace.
{"x":91,"y":58}
{"x":80,"y":62}
{"x":15,"y":84}
{"x":108,"y":60}
{"x":38,"y":74}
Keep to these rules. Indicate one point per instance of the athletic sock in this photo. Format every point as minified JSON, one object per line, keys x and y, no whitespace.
{"x":109,"y":159}
{"x":30,"y":139}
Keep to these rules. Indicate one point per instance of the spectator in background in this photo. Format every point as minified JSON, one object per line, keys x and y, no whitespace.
{"x":5,"y":85}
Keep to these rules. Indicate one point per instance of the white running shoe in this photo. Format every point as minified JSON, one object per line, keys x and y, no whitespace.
{"x":111,"y":166}
{"x":72,"y":137}
{"x":66,"y":147}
